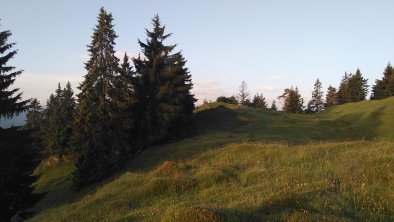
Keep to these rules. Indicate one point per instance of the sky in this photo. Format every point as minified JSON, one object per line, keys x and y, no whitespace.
{"x":270,"y":44}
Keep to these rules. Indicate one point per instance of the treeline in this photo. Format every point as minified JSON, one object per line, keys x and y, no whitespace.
{"x":243,"y":98}
{"x":353,"y":88}
{"x":123,"y":106}
{"x":120,"y":110}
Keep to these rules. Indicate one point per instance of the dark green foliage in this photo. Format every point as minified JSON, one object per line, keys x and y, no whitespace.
{"x":177,"y":102}
{"x":98,"y":135}
{"x":243,"y":94}
{"x":162,"y":88}
{"x":353,"y":88}
{"x":229,"y":100}
{"x":125,"y":103}
{"x":331,"y":97}
{"x":247,"y":102}
{"x":35,"y":123}
{"x":34,"y":116}
{"x":18,"y":158}
{"x":17,"y":163}
{"x":58,"y":120}
{"x":384,"y":87}
{"x":121,"y":111}
{"x":293,"y":103}
{"x":316,"y":104}
{"x":151,"y":73}
{"x":273,"y":106}
{"x":11,"y":102}
{"x":342,"y":94}
{"x":259,"y":101}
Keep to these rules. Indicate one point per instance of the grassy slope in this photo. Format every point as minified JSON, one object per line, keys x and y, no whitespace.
{"x":227,"y":172}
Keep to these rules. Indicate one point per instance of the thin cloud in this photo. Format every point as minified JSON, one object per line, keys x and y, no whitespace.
{"x":209,"y":89}
{"x":268,"y":88}
{"x":40,"y":86}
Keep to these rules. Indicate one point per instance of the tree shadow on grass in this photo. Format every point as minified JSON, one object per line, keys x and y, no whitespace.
{"x":219,"y":118}
{"x":359,"y":125}
{"x":298,"y":206}
{"x":210,"y":128}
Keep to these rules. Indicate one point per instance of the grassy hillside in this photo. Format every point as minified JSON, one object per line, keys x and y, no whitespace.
{"x":244,"y":164}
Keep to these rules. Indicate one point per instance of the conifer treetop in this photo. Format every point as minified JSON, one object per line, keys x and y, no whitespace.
{"x":11,"y":102}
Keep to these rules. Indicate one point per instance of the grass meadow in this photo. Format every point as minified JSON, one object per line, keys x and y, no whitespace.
{"x":246,"y":164}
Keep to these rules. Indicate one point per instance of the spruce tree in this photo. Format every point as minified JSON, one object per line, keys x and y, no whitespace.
{"x":358,"y":87}
{"x":259,"y":101}
{"x":18,"y":157}
{"x":98,"y":135}
{"x":125,"y":102}
{"x":35,"y":123}
{"x":34,"y":116}
{"x":384,"y":87}
{"x":183,"y":85}
{"x":331,"y":97}
{"x":59,"y":116}
{"x":150,"y":75}
{"x":11,"y":102}
{"x":177,"y":102}
{"x":293,"y":102}
{"x":353,"y":88}
{"x":53,"y":124}
{"x":162,"y":88}
{"x":67,"y":106}
{"x":273,"y":106}
{"x":316,"y":104}
{"x":18,"y":160}
{"x":343,"y":92}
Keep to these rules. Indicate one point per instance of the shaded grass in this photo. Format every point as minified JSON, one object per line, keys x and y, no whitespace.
{"x":55,"y":182}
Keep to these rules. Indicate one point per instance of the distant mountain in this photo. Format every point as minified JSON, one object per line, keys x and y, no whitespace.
{"x":15,"y":121}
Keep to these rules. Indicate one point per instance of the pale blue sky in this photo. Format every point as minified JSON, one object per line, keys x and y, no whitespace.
{"x":271,"y":44}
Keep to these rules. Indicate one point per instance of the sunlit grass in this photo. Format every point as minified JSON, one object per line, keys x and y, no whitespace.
{"x":251,"y":181}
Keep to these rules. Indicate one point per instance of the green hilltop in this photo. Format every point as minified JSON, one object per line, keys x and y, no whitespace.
{"x":246,"y":164}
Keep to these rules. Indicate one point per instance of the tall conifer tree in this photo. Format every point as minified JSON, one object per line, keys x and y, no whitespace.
{"x":18,"y":157}
{"x":58,"y":120}
{"x":273,"y":106}
{"x":293,"y":102}
{"x":259,"y":101}
{"x":96,"y":123}
{"x":178,"y":102}
{"x":125,"y":101}
{"x":384,"y":87}
{"x":353,"y":88}
{"x":343,"y":92}
{"x":316,"y":104}
{"x":358,"y":87}
{"x":162,"y":89}
{"x":34,"y":116}
{"x":331,"y":97}
{"x":11,"y":102}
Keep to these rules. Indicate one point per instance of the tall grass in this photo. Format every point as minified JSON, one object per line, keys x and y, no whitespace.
{"x":346,"y":181}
